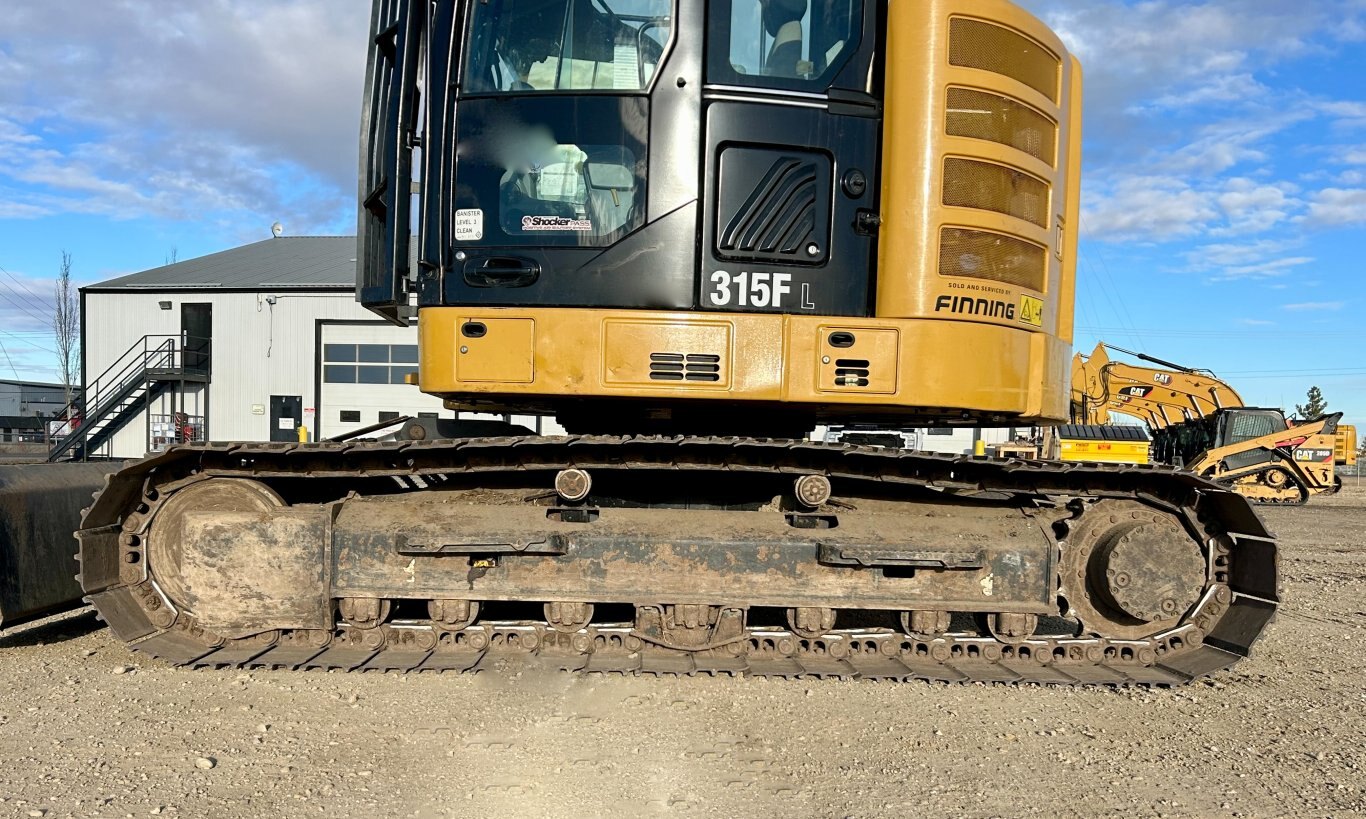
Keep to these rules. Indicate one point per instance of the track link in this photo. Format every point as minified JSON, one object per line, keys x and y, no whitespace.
{"x":1236,"y":603}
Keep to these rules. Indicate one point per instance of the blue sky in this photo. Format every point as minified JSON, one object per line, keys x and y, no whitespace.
{"x":1224,"y":191}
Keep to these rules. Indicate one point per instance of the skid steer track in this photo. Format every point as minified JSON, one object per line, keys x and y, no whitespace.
{"x":1103,"y":631}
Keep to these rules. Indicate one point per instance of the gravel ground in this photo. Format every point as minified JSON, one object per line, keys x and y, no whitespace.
{"x":88,"y":729}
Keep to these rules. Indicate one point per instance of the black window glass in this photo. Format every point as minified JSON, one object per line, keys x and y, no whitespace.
{"x":350,"y":416}
{"x":374,"y":353}
{"x":385,"y":415}
{"x":941,"y":431}
{"x":565,"y":45}
{"x":398,"y":375}
{"x":372,"y":375}
{"x":796,"y":44}
{"x":551,"y":170}
{"x":339,"y":374}
{"x":570,"y":189}
{"x":339,"y":352}
{"x":427,"y":415}
{"x":403,"y":354}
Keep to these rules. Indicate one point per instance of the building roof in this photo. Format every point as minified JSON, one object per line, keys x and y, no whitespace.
{"x":20,"y":422}
{"x":308,"y":262}
{"x":39,"y":385}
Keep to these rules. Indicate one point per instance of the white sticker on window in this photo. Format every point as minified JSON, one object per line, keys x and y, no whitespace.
{"x":555,"y":223}
{"x":469,"y":225}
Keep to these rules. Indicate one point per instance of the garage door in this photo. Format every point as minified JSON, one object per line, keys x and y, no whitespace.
{"x":363,"y":370}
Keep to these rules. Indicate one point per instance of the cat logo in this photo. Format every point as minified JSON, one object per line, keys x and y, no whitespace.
{"x":1162,"y":378}
{"x":1313,"y":455}
{"x":1136,"y":392}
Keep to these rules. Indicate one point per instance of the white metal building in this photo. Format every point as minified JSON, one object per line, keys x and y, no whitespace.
{"x":243,"y":345}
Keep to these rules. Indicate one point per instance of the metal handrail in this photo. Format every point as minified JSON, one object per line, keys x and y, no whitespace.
{"x":92,"y":405}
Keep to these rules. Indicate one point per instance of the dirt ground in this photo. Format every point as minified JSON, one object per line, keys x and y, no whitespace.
{"x":87,"y":729}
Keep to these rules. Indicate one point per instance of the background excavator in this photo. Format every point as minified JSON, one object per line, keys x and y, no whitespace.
{"x":691,"y":231}
{"x":1201,"y":423}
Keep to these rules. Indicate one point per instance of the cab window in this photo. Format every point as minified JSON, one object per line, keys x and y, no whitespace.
{"x":527,"y":46}
{"x":785,"y":44}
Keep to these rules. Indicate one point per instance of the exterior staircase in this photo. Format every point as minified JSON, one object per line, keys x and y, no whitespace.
{"x":148,"y":369}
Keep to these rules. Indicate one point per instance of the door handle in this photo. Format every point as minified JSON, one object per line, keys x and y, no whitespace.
{"x":501,"y":271}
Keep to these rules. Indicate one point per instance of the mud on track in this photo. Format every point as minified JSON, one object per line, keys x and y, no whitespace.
{"x":87,"y":729}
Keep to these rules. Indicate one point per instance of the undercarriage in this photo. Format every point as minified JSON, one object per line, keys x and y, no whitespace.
{"x":677,"y":556}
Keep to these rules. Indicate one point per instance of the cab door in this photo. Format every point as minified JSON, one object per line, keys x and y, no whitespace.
{"x":792,"y":120}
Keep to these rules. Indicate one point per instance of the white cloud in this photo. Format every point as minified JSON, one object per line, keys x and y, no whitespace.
{"x":1196,"y":95}
{"x":1222,"y":89}
{"x":1336,"y":207}
{"x":1250,"y":207}
{"x":1163,"y":207}
{"x":1314,"y":306}
{"x":1251,"y":322}
{"x":1346,"y":114}
{"x":181,"y":110}
{"x":1250,"y":260}
{"x":1153,"y":207}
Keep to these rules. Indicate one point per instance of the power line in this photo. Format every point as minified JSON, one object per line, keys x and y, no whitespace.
{"x":11,"y":363}
{"x":37,"y":301}
{"x":29,"y":343}
{"x":1233,"y":334}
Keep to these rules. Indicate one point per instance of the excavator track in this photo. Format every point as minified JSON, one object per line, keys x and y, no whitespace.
{"x":1077,"y":627}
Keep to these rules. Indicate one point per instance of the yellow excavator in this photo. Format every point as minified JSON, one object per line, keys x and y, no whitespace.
{"x":1345,"y":447}
{"x":692,"y":231}
{"x":1201,"y":423}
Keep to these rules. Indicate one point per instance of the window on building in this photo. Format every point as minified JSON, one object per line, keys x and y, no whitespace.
{"x":350,"y":416}
{"x":339,"y":373}
{"x":941,"y":430}
{"x":373,"y":353}
{"x":361,"y":363}
{"x":427,"y":415}
{"x":386,"y":415}
{"x":372,"y":375}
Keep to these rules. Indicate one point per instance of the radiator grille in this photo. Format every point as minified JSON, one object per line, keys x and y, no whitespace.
{"x":685,"y":367}
{"x":982,"y":115}
{"x":969,"y":183}
{"x":978,"y":254}
{"x":978,"y":44}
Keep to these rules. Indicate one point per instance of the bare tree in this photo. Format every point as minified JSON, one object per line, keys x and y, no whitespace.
{"x":66,"y":327}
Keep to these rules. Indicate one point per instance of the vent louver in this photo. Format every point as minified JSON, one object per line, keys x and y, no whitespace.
{"x":698,"y":367}
{"x":852,"y":372}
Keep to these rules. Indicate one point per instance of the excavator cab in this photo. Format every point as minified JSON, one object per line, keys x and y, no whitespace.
{"x":677,"y":197}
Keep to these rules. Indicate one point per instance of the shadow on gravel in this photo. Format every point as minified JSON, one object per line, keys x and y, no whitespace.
{"x":56,"y":629}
